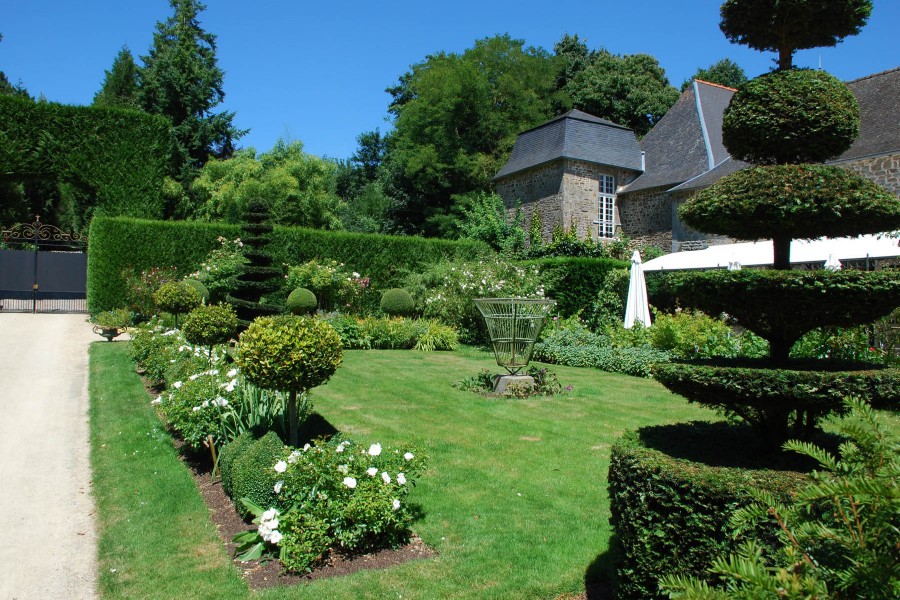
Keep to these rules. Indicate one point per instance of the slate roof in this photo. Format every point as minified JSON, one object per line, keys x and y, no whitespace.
{"x":879,"y":129}
{"x":687,"y":141}
{"x":574,"y":135}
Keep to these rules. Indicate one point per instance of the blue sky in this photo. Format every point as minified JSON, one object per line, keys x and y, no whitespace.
{"x":316,"y":72}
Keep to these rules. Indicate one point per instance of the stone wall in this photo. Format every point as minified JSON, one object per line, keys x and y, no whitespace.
{"x":883,"y":170}
{"x":646,"y":217}
{"x":581,"y":190}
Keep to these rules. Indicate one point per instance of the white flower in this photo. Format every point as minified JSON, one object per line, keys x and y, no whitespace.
{"x":264,"y":530}
{"x":194,"y":376}
{"x":278,"y":485}
{"x":196,"y":408}
{"x":372,"y":471}
{"x":275,"y":537}
{"x":269,"y":514}
{"x":273,"y":524}
{"x":231,"y":373}
{"x":157,"y":401}
{"x":176,"y":385}
{"x":385,"y":477}
{"x":340,"y":448}
{"x":305,"y":447}
{"x":343,"y":469}
{"x":292,"y":458}
{"x":221,"y":401}
{"x":230,"y":386}
{"x":401,"y":478}
{"x":409,"y":456}
{"x":375,"y":449}
{"x":280,"y":466}
{"x":396,"y":504}
{"x":350,"y":482}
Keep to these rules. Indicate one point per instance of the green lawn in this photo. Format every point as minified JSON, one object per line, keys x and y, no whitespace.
{"x":514,"y":500}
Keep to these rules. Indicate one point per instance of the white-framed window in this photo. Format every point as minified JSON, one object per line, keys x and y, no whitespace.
{"x":606,"y":214}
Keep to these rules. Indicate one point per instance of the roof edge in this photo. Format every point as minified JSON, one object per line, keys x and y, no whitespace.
{"x":718,"y":85}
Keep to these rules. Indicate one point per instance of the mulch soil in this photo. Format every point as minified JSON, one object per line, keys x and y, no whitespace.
{"x":266,"y":574}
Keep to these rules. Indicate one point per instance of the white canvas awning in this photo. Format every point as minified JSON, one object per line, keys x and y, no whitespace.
{"x":749,"y":254}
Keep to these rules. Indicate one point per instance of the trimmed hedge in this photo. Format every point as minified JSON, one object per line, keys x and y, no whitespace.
{"x":121,"y":156}
{"x":253,"y":473}
{"x":671,"y":514}
{"x":574,"y":281}
{"x":120,"y":243}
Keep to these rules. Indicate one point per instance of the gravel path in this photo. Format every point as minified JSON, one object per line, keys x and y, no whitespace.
{"x":46,"y":507}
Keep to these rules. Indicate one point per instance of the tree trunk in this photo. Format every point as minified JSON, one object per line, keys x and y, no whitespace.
{"x":292,"y":417}
{"x":785,"y":58}
{"x":782,"y":248}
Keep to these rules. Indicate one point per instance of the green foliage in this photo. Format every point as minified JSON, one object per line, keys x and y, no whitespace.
{"x":289,"y":353}
{"x":301,"y":302}
{"x":445,"y":291}
{"x":456,"y":116}
{"x":176,"y":297}
{"x":210,"y":325}
{"x":141,"y":287}
{"x":387,"y":333}
{"x":689,"y":335}
{"x":120,"y":83}
{"x":332,"y":283}
{"x":253,"y":475}
{"x":195,"y":409}
{"x":117,"y":318}
{"x":297,"y":188}
{"x":780,"y":402}
{"x":115,"y":158}
{"x":724,"y":72}
{"x":227,"y":457}
{"x":785,"y":26}
{"x":780,"y":306}
{"x":219,"y":266}
{"x":199,"y":288}
{"x":181,"y":80}
{"x":837,"y":534}
{"x":791,"y":117}
{"x":118,"y":243}
{"x":397,"y":302}
{"x":671,"y":516}
{"x":546,"y":383}
{"x":485,"y":218}
{"x":792,"y":201}
{"x":575,"y":282}
{"x":848,"y":343}
{"x":608,"y":307}
{"x":305,"y":541}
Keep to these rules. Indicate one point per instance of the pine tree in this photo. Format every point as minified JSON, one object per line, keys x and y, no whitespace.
{"x":120,"y":85}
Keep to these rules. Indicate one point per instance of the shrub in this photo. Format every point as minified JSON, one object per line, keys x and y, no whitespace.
{"x":791,"y":116}
{"x":256,"y":277}
{"x":176,"y":298}
{"x":199,"y":288}
{"x":229,"y":453}
{"x":432,"y":335}
{"x":608,"y":307}
{"x":575,"y":282}
{"x":397,"y":302}
{"x":219,"y":266}
{"x":333,"y":285}
{"x":253,"y":473}
{"x":140,"y":287}
{"x":291,"y":354}
{"x":301,"y":302}
{"x":194,"y":407}
{"x":350,"y":330}
{"x":581,"y":348}
{"x":210,"y":325}
{"x":117,"y":318}
{"x":671,"y":515}
{"x":689,"y":335}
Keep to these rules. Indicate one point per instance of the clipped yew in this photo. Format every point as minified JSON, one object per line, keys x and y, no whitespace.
{"x":210,"y":325}
{"x":290,"y":354}
{"x":301,"y":302}
{"x":176,"y":297}
{"x":257,"y":277}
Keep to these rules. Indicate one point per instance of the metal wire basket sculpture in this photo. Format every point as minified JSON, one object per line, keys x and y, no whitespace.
{"x":514,"y":324}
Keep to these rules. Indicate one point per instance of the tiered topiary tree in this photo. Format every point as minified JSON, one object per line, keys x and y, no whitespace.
{"x":782,"y":123}
{"x":258,"y":277}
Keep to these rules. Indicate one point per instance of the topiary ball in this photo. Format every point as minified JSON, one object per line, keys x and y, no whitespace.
{"x":210,"y":325}
{"x":176,"y":297}
{"x":790,"y":117}
{"x":397,"y":302}
{"x":301,"y":302}
{"x":253,"y":474}
{"x":201,"y":289}
{"x":289,"y":353}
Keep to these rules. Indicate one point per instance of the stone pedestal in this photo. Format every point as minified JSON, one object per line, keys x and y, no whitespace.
{"x":501,"y":382}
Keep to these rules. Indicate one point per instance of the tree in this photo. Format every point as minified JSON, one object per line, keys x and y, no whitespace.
{"x":456,"y":117}
{"x":630,"y":90}
{"x":181,"y":80}
{"x":7,"y":88}
{"x":725,"y":72}
{"x":120,"y":84}
{"x":297,"y":188}
{"x":785,"y":26}
{"x":256,"y":277}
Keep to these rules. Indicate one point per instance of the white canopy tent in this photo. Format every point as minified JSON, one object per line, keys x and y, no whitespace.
{"x":749,"y":254}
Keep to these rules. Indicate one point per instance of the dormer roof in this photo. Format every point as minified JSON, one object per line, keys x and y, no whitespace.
{"x":575,"y":135}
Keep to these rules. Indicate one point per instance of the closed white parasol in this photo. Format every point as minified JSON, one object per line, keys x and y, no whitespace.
{"x":637,"y":307}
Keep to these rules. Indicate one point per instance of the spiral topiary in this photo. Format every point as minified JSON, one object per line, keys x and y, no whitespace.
{"x":291,"y":354}
{"x":790,"y":117}
{"x":176,"y":297}
{"x":397,"y":302}
{"x":257,"y":277}
{"x":301,"y":302}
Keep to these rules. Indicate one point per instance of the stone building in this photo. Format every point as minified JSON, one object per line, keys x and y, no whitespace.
{"x":588,"y":173}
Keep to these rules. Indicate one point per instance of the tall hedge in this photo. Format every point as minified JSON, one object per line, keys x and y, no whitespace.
{"x":120,"y":243}
{"x":574,"y":281}
{"x":670,"y":513}
{"x":120,"y":156}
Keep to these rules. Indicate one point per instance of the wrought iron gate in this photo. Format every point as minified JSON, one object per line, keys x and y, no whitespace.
{"x":42,"y":269}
